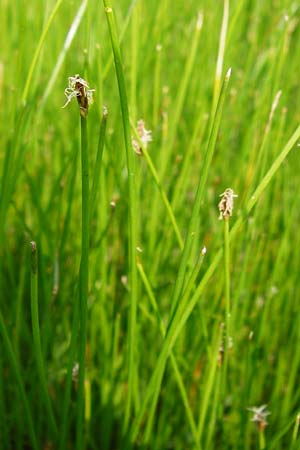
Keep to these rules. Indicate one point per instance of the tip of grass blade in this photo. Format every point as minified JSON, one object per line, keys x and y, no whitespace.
{"x":199,"y":20}
{"x":228,"y":74}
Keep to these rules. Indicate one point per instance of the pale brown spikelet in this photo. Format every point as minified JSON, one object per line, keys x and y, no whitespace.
{"x":226,"y":204}
{"x":260,"y":414}
{"x":144,"y":135}
{"x":80,"y":89}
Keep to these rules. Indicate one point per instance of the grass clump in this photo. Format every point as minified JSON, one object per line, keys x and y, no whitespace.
{"x":146,"y":322}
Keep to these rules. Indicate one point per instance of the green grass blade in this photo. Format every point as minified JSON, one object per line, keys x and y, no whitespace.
{"x":83,"y":282}
{"x":132,"y":209}
{"x":38,"y":51}
{"x":37,"y":336}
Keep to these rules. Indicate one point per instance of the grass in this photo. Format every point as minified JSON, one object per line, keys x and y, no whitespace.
{"x":117,"y":336}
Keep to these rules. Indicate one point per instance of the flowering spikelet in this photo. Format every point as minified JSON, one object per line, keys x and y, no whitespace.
{"x":144,"y":135}
{"x":260,"y":414}
{"x":226,"y":204}
{"x":75,"y":372}
{"x":79,"y":88}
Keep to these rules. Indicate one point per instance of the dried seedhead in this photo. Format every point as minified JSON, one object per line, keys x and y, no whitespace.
{"x":226,"y":204}
{"x":144,"y":135}
{"x":75,"y":372}
{"x":260,"y":414}
{"x":79,"y":88}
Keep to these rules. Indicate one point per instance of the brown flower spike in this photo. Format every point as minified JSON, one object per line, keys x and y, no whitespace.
{"x":260,"y":414}
{"x":226,"y":204}
{"x":144,"y":135}
{"x":79,"y":88}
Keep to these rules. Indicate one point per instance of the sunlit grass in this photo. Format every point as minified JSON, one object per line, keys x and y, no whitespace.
{"x":149,"y":323}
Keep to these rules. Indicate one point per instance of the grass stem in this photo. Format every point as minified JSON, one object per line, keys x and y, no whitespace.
{"x":83,"y":282}
{"x":37,"y":337}
{"x":132,"y":242}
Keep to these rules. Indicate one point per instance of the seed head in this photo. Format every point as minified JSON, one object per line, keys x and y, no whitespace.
{"x":79,"y":88}
{"x":260,"y":414}
{"x":75,"y":372}
{"x":144,"y":135}
{"x":226,"y":204}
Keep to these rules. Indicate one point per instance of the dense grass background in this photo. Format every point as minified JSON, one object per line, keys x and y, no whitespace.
{"x":156,"y":376}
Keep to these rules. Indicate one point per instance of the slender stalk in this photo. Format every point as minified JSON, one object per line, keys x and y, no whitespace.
{"x":227,"y":284}
{"x":295,"y":431}
{"x":19,"y":301}
{"x":209,"y":385}
{"x":162,"y":192}
{"x":4,"y":429}
{"x":168,"y":145}
{"x":37,"y":336}
{"x":18,"y":375}
{"x":156,"y":86}
{"x":227,"y":306}
{"x":179,"y":380}
{"x":121,"y":36}
{"x":132,"y":366}
{"x":261,"y":439}
{"x":172,"y":332}
{"x":199,"y":196}
{"x":68,"y":386}
{"x":79,"y":88}
{"x":182,"y":90}
{"x":83,"y":281}
{"x":98,"y":163}
{"x":220,"y":60}
{"x":38,"y":50}
{"x":134,"y":59}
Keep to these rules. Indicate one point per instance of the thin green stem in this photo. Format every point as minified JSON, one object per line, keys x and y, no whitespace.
{"x":181,"y":93}
{"x":68,"y":386}
{"x":227,"y":283}
{"x":83,"y":282}
{"x":162,"y":192}
{"x":17,"y":373}
{"x":132,"y":337}
{"x":19,"y":301}
{"x":121,"y":36}
{"x":192,"y":229}
{"x":296,"y":429}
{"x":38,"y":50}
{"x":134,"y":59}
{"x":179,"y":380}
{"x":228,"y":336}
{"x":156,"y":86}
{"x":262,"y":440}
{"x":220,"y":60}
{"x":207,"y":395}
{"x":172,"y":332}
{"x":37,"y":337}
{"x":98,"y":163}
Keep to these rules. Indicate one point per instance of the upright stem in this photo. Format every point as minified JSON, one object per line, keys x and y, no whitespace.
{"x":220,"y":60}
{"x":227,"y":301}
{"x":37,"y":337}
{"x":83,"y":281}
{"x":193,"y":228}
{"x":262,"y":440}
{"x":18,"y":376}
{"x":38,"y":50}
{"x":132,"y":241}
{"x":227,"y":280}
{"x":98,"y":163}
